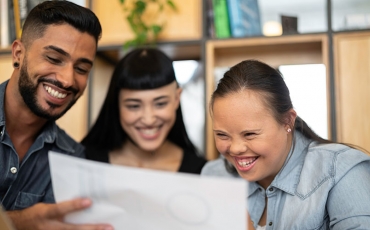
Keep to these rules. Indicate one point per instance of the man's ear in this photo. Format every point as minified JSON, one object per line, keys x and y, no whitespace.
{"x":17,"y":51}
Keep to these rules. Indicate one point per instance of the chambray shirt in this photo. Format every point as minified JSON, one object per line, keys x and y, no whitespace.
{"x":23,"y":184}
{"x":323,"y":186}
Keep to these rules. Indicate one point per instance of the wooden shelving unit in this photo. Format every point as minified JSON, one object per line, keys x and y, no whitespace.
{"x":346,"y":55}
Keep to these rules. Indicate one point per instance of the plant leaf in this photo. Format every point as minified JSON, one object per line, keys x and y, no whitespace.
{"x":156,"y":29}
{"x":172,"y":5}
{"x":122,"y":1}
{"x":140,"y":7}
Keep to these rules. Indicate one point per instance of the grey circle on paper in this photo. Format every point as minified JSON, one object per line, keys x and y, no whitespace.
{"x":188,"y":208}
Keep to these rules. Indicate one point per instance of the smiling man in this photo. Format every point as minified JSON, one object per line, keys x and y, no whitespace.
{"x":51,"y":63}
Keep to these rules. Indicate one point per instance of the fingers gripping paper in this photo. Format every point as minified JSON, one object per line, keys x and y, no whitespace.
{"x":136,"y":199}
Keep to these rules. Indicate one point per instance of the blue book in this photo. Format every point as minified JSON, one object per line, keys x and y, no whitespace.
{"x":244,"y":17}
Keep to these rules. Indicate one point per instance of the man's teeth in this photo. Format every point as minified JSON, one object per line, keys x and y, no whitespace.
{"x":55,"y":93}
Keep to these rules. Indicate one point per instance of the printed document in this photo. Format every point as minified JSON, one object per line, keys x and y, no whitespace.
{"x":136,"y":199}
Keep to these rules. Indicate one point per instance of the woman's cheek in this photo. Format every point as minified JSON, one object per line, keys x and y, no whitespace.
{"x":221,"y":146}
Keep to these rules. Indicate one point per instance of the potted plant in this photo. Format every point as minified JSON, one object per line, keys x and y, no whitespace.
{"x":146,"y":19}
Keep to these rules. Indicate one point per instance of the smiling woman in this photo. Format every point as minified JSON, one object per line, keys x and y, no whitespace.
{"x":288,"y":166}
{"x":140,"y":123}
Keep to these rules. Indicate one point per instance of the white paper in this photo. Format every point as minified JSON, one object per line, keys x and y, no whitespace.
{"x":139,"y":199}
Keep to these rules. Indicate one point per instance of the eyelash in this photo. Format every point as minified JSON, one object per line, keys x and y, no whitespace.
{"x":53,"y":60}
{"x":161,"y":104}
{"x":81,"y":71}
{"x":57,"y":61}
{"x":131,"y":107}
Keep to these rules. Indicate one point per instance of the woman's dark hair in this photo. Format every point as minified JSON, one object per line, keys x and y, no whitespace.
{"x":57,"y":13}
{"x":262,"y":78}
{"x":141,"y":69}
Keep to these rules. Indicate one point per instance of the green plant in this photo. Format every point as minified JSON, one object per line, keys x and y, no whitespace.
{"x":145,"y":18}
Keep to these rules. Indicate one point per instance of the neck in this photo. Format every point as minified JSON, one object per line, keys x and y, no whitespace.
{"x":167,"y":157}
{"x":131,"y":149}
{"x":20,"y":120}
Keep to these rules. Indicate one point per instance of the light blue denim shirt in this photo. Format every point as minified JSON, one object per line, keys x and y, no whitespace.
{"x":323,"y":186}
{"x":26,"y":183}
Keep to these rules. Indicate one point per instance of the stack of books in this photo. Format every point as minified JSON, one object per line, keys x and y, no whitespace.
{"x":233,"y":18}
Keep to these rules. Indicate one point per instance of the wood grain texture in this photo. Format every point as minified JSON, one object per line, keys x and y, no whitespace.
{"x":352,"y":62}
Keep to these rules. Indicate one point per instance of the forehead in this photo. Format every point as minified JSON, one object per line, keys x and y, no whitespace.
{"x":69,"y":39}
{"x":243,"y":106}
{"x":149,"y":94}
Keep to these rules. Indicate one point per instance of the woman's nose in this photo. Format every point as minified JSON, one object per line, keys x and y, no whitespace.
{"x":148,"y":117}
{"x":237,"y":147}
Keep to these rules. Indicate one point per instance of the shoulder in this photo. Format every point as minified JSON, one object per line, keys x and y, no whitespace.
{"x":333,"y":158}
{"x":327,"y":164}
{"x":192,"y":163}
{"x":216,"y":168}
{"x":68,"y":144}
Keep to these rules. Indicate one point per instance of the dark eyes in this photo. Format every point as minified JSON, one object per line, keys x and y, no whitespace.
{"x":81,"y":71}
{"x":221,"y":136}
{"x":161,"y":104}
{"x":132,"y":107}
{"x":56,"y":61}
{"x":53,"y":60}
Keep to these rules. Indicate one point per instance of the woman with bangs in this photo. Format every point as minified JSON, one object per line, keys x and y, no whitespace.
{"x":140,"y":123}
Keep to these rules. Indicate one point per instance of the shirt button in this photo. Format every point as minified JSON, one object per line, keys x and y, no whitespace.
{"x":270,"y":224}
{"x":271,"y":189}
{"x":13,"y":170}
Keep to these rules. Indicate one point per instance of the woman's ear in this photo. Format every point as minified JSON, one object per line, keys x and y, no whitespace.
{"x":290,"y":117}
{"x":177,"y":96}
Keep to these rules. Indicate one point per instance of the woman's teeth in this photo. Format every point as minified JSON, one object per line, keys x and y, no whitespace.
{"x":149,"y":131}
{"x":245,"y":163}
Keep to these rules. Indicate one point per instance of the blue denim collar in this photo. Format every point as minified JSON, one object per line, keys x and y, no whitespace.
{"x":288,"y":177}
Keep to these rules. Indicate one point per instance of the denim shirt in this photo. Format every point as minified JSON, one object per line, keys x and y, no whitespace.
{"x":324,"y":186}
{"x":23,"y":184}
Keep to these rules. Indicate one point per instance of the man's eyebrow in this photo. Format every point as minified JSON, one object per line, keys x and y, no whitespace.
{"x":64,"y":53}
{"x":57,"y":49}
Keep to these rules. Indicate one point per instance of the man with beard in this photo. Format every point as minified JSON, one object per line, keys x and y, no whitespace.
{"x":51,"y":63}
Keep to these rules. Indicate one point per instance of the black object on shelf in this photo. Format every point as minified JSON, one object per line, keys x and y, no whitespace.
{"x":289,"y":24}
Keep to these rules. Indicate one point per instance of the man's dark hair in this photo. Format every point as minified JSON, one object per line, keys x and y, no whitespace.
{"x":57,"y":13}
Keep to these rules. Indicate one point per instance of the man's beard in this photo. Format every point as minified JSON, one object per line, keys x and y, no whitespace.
{"x":29,"y":94}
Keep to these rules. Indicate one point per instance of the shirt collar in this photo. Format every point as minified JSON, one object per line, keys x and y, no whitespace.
{"x":288,"y":177}
{"x":2,"y":102}
{"x":51,"y":132}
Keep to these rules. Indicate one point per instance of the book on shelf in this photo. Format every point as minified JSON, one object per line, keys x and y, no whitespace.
{"x":8,"y":34}
{"x":21,"y":10}
{"x":4,"y":26}
{"x":244,"y":16}
{"x":12,"y":29}
{"x":210,"y":19}
{"x":221,"y":19}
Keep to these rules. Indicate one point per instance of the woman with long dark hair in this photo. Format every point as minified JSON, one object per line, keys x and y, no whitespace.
{"x":140,"y":123}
